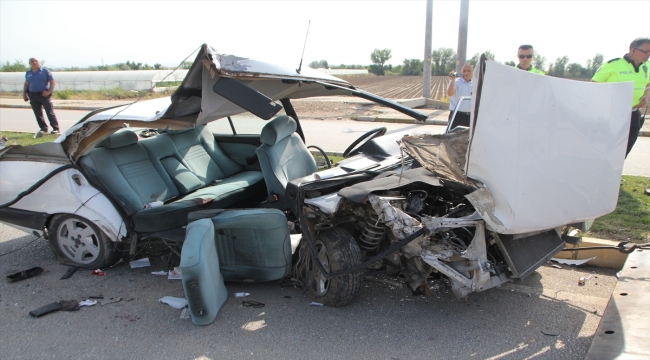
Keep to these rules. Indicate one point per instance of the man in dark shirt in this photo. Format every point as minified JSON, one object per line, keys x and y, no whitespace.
{"x":39,"y":85}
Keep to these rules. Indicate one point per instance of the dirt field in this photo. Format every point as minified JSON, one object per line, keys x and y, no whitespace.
{"x":399,"y":87}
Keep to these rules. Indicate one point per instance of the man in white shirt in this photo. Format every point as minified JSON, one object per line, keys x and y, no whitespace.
{"x":458,"y":87}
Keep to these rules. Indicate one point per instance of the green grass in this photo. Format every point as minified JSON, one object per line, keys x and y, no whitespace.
{"x":631,"y":219}
{"x":109,"y":94}
{"x":25,"y":139}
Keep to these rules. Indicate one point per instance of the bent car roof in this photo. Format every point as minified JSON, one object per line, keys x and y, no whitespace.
{"x":216,"y":86}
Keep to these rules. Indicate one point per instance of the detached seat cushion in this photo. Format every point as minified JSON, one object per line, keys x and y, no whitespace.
{"x":202,"y":280}
{"x":252,"y":244}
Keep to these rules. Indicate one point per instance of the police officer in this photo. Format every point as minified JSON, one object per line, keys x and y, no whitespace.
{"x":525,"y":53}
{"x":39,"y":85}
{"x":458,"y":87}
{"x":632,"y":67}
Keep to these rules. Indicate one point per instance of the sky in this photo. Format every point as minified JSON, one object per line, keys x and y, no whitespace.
{"x":85,"y":33}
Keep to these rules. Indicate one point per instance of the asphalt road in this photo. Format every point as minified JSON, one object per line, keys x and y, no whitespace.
{"x":332,"y":136}
{"x":385,"y":322}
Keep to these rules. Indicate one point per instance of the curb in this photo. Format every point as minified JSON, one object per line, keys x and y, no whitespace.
{"x":643,"y":133}
{"x":61,"y":107}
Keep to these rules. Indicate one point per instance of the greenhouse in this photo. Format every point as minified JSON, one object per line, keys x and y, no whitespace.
{"x":96,"y":80}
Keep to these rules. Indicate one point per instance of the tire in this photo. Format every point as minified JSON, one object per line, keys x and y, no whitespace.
{"x":337,"y":250}
{"x":79,"y":241}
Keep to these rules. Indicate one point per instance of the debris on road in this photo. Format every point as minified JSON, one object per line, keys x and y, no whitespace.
{"x":176,"y":303}
{"x":98,"y":272}
{"x":69,"y":305}
{"x":583,"y":280}
{"x":175,"y":274}
{"x":572,"y":262}
{"x":87,"y":302}
{"x":241,"y":295}
{"x":550,"y":333}
{"x":47,"y":309}
{"x":159,"y":273}
{"x":25,"y":274}
{"x":68,"y":274}
{"x":253,"y":304}
{"x":144,"y":262}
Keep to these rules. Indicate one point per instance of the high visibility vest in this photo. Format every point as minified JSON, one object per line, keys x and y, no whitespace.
{"x":532,"y":69}
{"x":621,"y":70}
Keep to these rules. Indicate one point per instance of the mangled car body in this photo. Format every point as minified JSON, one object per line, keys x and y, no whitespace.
{"x":480,"y":206}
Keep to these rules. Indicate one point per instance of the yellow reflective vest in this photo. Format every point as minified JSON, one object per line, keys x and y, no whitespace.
{"x":623,"y":69}
{"x":532,"y":69}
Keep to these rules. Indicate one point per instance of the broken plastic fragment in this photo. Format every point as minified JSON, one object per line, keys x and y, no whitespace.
{"x":98,"y":273}
{"x":159,"y":273}
{"x":572,"y":262}
{"x":313,"y":303}
{"x":176,"y":303}
{"x":87,"y":303}
{"x":241,"y":294}
{"x":144,"y":262}
{"x":185,"y":314}
{"x":175,"y":274}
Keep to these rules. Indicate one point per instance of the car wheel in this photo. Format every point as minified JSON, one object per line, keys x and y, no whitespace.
{"x":337,"y":250}
{"x":81,"y":242}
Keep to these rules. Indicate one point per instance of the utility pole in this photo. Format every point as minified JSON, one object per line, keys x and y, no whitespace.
{"x":462,"y":35}
{"x":426,"y":81}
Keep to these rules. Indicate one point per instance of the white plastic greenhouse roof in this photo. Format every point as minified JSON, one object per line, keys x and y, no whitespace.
{"x":95,"y":80}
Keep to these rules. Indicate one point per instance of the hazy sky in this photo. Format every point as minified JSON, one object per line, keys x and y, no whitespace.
{"x":83,"y":33}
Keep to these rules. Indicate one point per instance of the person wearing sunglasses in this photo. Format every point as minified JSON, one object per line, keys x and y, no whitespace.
{"x":525,"y":53}
{"x":633,"y":66}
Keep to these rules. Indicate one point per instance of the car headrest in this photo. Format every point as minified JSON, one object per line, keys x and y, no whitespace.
{"x":118,"y":140}
{"x":278,"y":129}
{"x":172,"y":132}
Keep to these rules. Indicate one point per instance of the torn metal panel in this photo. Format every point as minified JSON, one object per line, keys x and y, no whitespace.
{"x":359,"y":192}
{"x":483,"y":202}
{"x":401,"y":223}
{"x":549,"y":150}
{"x":444,"y":155}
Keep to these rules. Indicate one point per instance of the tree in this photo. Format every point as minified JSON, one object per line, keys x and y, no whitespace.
{"x":474,"y":60}
{"x":313,"y":64}
{"x":539,"y":61}
{"x":157,"y":66}
{"x":594,"y":64}
{"x":443,"y":61}
{"x":379,"y":57}
{"x":412,"y":67}
{"x":575,"y":70}
{"x":323,"y":64}
{"x":17,"y":66}
{"x":558,"y":69}
{"x":510,"y":63}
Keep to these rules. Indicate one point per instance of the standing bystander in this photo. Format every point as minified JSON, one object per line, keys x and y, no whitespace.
{"x":525,"y":53}
{"x":458,"y":87}
{"x":39,"y":85}
{"x":633,"y":66}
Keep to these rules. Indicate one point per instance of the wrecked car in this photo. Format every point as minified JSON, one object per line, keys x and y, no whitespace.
{"x":479,"y":205}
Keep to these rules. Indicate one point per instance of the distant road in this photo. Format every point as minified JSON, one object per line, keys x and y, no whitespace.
{"x":331,"y":135}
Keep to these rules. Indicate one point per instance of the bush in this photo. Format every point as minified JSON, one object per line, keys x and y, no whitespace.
{"x":63,"y":94}
{"x":376,"y":69}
